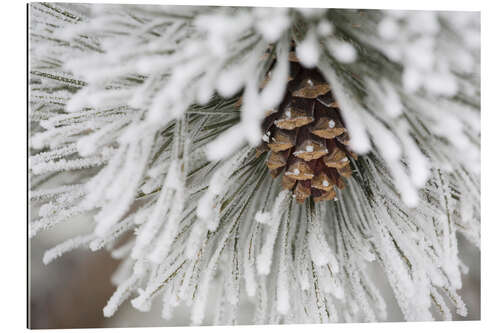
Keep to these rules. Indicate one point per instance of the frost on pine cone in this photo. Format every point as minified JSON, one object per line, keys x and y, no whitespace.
{"x":146,"y":119}
{"x":307,"y":138}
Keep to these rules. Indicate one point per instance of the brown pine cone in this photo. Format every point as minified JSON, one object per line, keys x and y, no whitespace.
{"x":307,"y":138}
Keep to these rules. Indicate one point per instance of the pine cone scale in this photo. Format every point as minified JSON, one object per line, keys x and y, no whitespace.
{"x":307,"y":137}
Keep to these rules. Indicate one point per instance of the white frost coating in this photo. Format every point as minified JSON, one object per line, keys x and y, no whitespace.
{"x":44,"y":194}
{"x":272,"y":22}
{"x":273,"y":92}
{"x":412,"y":79}
{"x":230,"y":82}
{"x":133,"y":170}
{"x":252,"y":112}
{"x":119,"y":296}
{"x":417,"y":162}
{"x":388,"y":28}
{"x":222,"y":29}
{"x":320,"y":251}
{"x":283,"y":285}
{"x":50,"y":221}
{"x":115,"y":232}
{"x":198,"y":312}
{"x":331,"y":124}
{"x":195,"y":239}
{"x":64,"y":247}
{"x":226,"y":143}
{"x":209,"y":204}
{"x":459,"y":303}
{"x":169,"y":233}
{"x":441,"y":84}
{"x":309,"y":149}
{"x":176,"y":181}
{"x":265,"y":257}
{"x":143,"y":302}
{"x":325,"y":28}
{"x":409,"y":193}
{"x":425,"y":22}
{"x":140,"y":303}
{"x":311,"y":13}
{"x":384,"y":140}
{"x":263,"y":217}
{"x":442,"y":307}
{"x":88,"y":144}
{"x":383,"y":97}
{"x":152,"y":226}
{"x":308,"y":50}
{"x":342,"y":51}
{"x":124,"y":290}
{"x":123,"y":251}
{"x":351,"y":112}
{"x":166,"y":104}
{"x":66,"y":165}
{"x":418,"y":42}
{"x":249,"y":271}
{"x":53,"y":154}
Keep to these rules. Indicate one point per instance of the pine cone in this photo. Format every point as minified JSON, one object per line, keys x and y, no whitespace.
{"x":307,"y":138}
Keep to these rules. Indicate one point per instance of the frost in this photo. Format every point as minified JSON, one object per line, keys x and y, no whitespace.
{"x":146,"y":117}
{"x":272,"y":22}
{"x":307,"y":50}
{"x":225,"y":144}
{"x":265,"y":257}
{"x":325,"y":28}
{"x":263,"y":217}
{"x":351,"y":111}
{"x":342,"y":51}
{"x":388,"y":28}
{"x":64,"y":247}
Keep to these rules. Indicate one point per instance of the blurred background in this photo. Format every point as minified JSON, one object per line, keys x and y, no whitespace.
{"x":71,"y":291}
